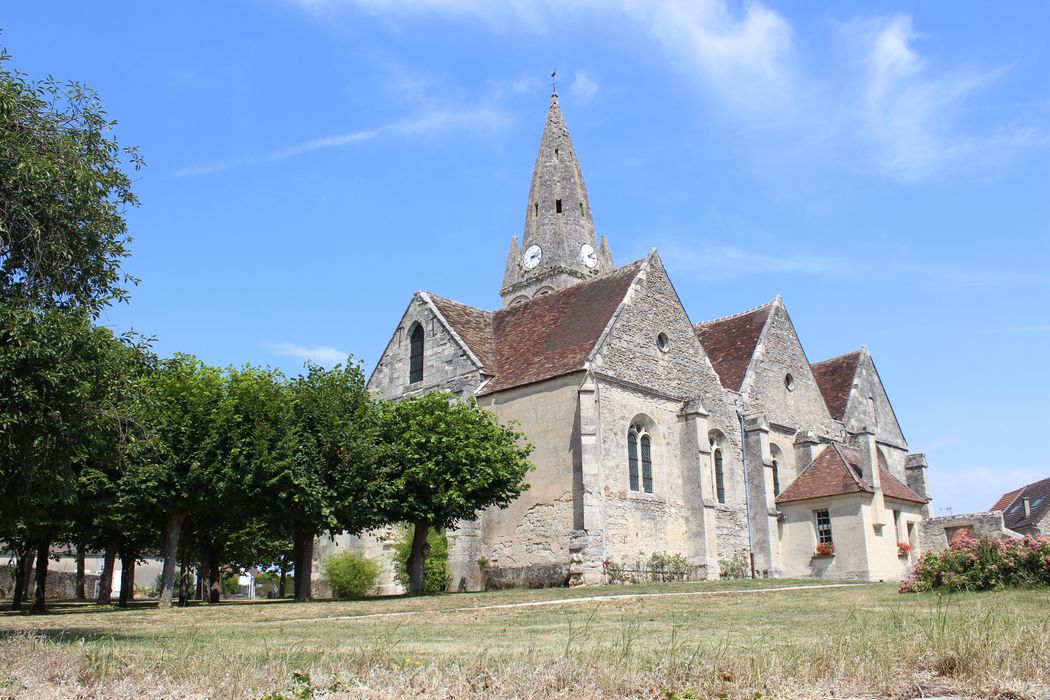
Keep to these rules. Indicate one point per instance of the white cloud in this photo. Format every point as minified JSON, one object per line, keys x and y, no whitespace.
{"x":583,"y":87}
{"x":480,"y":118}
{"x":324,"y":355}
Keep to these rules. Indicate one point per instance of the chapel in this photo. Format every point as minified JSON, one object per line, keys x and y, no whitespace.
{"x":654,"y":434}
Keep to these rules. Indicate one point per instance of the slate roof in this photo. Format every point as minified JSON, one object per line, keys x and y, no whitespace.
{"x":836,"y":471}
{"x":1038,"y":495}
{"x":835,"y":379}
{"x":731,"y":341}
{"x":547,"y":336}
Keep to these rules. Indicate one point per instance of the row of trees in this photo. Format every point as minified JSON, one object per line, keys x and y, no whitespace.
{"x":105,"y":446}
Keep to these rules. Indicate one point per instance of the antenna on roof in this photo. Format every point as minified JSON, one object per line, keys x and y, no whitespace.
{"x":554,"y":84}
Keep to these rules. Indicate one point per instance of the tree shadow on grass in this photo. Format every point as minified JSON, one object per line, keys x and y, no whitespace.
{"x":68,"y":635}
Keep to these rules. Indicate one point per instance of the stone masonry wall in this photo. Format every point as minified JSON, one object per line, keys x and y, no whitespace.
{"x":936,"y":533}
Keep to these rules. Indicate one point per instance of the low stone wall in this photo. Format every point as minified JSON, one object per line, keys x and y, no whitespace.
{"x":61,"y":585}
{"x":535,"y":576}
{"x":936,"y":533}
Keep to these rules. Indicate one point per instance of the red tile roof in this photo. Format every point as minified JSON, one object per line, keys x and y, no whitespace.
{"x":1038,"y":495}
{"x":730,"y":342}
{"x":544,"y":337}
{"x":1007,"y":499}
{"x":835,"y":379}
{"x":831,"y":474}
{"x":837,"y":471}
{"x":473,"y":326}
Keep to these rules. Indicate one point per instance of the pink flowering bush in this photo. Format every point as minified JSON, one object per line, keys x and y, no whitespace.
{"x":983,"y":564}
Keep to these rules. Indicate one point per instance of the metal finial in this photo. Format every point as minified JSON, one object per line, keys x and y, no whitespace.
{"x":554,"y":83}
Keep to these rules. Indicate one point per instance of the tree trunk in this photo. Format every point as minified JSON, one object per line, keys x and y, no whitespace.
{"x":172,"y":528}
{"x":127,"y":577}
{"x":304,"y":566}
{"x":43,"y":549}
{"x":214,"y":581}
{"x":211,"y":557}
{"x":78,"y":588}
{"x":105,"y":579}
{"x":186,"y":546}
{"x":21,"y":564}
{"x":418,"y":557}
{"x":204,"y":570}
{"x":27,"y":573}
{"x":284,"y":572}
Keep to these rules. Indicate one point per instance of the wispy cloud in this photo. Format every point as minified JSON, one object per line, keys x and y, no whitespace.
{"x":324,"y":355}
{"x":719,"y":262}
{"x":583,"y":87}
{"x":480,"y":118}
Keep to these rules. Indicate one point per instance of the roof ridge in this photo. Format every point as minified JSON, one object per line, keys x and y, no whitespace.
{"x":837,"y":357}
{"x":736,"y":315}
{"x":555,"y":293}
{"x":432,"y":295}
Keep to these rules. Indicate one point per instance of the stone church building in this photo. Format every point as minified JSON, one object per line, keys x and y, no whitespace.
{"x":654,"y":433}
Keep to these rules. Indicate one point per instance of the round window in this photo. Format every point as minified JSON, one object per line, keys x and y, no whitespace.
{"x":663,"y":342}
{"x":789,"y":382}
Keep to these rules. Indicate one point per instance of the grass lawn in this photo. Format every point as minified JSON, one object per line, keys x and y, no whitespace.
{"x":714,"y":639}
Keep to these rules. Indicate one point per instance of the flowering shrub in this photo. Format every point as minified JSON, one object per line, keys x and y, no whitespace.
{"x":982,"y":564}
{"x":903,"y":549}
{"x":825,"y":549}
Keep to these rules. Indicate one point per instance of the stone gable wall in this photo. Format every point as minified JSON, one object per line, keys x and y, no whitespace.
{"x":446,"y":364}
{"x":779,"y":353}
{"x":868,"y":395}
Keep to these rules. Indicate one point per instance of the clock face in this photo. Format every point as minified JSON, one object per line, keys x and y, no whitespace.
{"x":532,"y":257}
{"x":588,"y":257}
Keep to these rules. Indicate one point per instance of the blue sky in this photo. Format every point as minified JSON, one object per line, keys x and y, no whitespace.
{"x":883,"y":167}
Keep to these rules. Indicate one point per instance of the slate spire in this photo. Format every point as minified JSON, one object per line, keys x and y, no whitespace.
{"x":557,"y":221}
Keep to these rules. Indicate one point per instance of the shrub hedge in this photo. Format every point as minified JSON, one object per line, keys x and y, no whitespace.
{"x":350,"y":574}
{"x":983,"y":564}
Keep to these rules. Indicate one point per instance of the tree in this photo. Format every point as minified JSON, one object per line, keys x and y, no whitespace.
{"x":63,"y":191}
{"x":446,"y":460}
{"x":326,"y":480}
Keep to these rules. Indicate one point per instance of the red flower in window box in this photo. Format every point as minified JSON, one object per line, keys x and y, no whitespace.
{"x":903,"y":549}
{"x":825,"y":549}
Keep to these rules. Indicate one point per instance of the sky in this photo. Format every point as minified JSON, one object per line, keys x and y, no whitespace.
{"x":884,"y":167}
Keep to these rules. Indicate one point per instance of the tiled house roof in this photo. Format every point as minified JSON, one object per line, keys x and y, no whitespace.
{"x":1038,"y":495}
{"x":835,"y":379}
{"x":1006,"y":499}
{"x":837,"y":471}
{"x":730,"y":342}
{"x":544,"y":337}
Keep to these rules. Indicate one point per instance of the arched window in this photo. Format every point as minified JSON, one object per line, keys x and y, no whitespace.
{"x":415,"y":358}
{"x":776,"y":479}
{"x":640,"y":452}
{"x":720,"y":478}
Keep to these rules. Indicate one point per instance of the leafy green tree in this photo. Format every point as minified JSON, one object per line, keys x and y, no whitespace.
{"x":446,"y":460}
{"x":436,"y":573}
{"x":326,"y":479}
{"x":64,"y":190}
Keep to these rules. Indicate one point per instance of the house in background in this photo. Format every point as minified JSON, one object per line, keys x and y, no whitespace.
{"x":1027,"y":509}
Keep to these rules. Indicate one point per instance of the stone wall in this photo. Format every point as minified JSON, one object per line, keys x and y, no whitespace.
{"x":869,"y":405}
{"x":61,"y":585}
{"x":936,"y":533}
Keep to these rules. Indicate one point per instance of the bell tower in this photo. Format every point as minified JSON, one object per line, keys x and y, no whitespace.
{"x":558,"y":246}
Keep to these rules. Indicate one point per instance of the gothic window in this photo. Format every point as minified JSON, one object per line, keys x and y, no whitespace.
{"x":415,"y":357}
{"x":720,"y":479}
{"x":640,"y":454}
{"x":823,"y":526}
{"x":557,"y":206}
{"x":776,"y":479}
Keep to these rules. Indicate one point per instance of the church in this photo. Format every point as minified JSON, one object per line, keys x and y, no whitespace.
{"x":653,"y":433}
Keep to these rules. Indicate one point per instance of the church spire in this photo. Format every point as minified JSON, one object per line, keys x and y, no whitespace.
{"x":558,"y":244}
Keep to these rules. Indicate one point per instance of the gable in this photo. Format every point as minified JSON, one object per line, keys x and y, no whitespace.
{"x":651,"y":341}
{"x":869,"y":404}
{"x":730,"y":343}
{"x":780,"y":382}
{"x":448,"y":364}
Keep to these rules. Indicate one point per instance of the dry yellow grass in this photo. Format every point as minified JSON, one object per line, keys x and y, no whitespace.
{"x":861,"y":639}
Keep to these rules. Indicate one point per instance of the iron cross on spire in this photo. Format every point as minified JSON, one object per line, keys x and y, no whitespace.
{"x":554,"y":83}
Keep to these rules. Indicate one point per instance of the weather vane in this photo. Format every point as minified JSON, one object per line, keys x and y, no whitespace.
{"x":554,"y":84}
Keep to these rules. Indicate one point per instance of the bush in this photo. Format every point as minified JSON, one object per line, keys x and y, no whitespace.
{"x":231,"y":585}
{"x":983,"y":564}
{"x":435,"y":570}
{"x":350,"y":574}
{"x":738,"y":565}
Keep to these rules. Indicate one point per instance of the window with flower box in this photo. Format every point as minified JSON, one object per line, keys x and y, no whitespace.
{"x":823,"y":519}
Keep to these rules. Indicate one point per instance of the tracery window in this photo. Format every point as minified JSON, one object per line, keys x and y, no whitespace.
{"x":640,"y":454}
{"x":415,"y":357}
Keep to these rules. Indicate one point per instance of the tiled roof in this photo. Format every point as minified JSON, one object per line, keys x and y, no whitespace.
{"x":837,"y":471}
{"x":730,"y":342}
{"x":1038,"y":495}
{"x":1007,"y":499}
{"x":544,"y":337}
{"x":835,"y":379}
{"x":892,"y":487}
{"x":473,"y":326}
